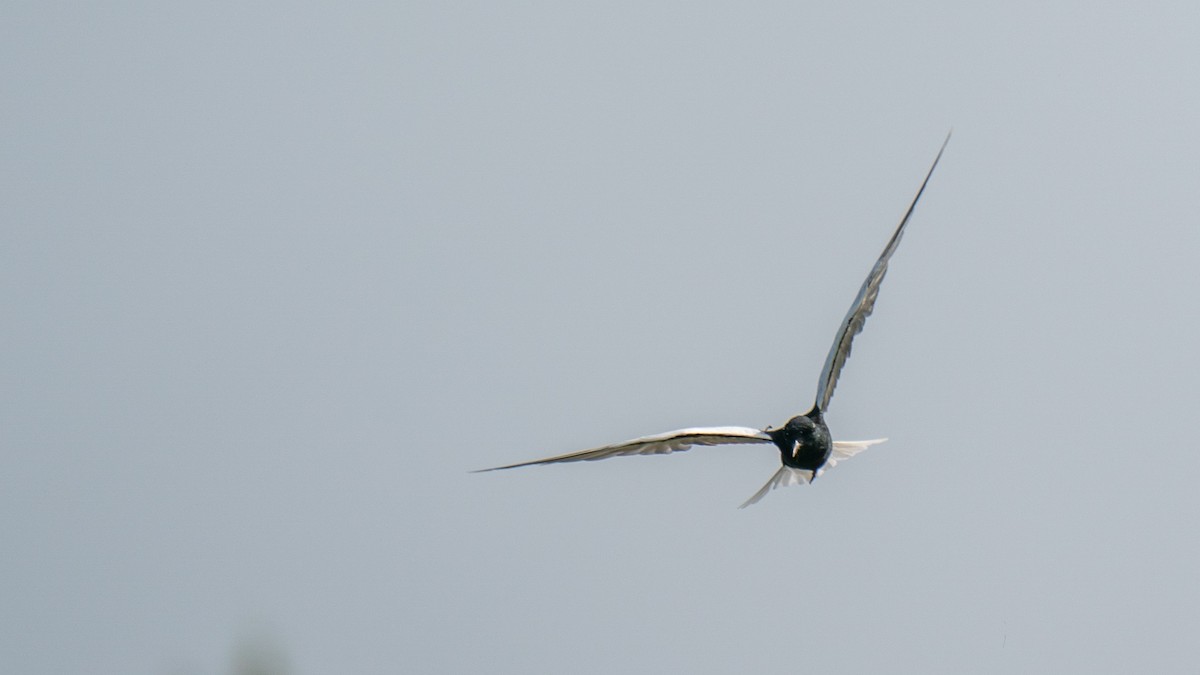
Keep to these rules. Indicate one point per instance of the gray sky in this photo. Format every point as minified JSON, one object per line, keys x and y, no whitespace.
{"x":275,"y":277}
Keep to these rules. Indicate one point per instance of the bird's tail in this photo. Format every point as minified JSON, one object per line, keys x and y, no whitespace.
{"x":784,"y":477}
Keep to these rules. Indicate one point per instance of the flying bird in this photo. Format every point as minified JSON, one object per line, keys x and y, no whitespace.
{"x":806,"y":448}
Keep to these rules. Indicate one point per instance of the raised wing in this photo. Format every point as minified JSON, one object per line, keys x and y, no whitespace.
{"x":786,"y":475}
{"x":863,"y":304}
{"x":658,"y":444}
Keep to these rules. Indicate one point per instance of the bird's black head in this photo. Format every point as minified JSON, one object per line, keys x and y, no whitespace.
{"x":800,"y":425}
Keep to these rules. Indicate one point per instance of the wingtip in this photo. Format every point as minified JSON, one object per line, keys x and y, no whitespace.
{"x":941,"y":150}
{"x":946,"y":140}
{"x":501,"y":468}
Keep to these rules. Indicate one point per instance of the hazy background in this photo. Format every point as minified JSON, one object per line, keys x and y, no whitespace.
{"x":276,"y":276}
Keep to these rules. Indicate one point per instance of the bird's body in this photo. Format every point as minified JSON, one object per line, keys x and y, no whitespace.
{"x":804,"y":442}
{"x":806,"y":448}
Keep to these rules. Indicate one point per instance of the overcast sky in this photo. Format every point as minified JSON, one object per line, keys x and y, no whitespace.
{"x":276,"y":276}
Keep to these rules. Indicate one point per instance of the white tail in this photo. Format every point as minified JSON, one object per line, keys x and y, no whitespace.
{"x":786,"y":475}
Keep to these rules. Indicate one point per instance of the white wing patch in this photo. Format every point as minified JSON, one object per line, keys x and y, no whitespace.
{"x":786,"y":475}
{"x":658,"y":444}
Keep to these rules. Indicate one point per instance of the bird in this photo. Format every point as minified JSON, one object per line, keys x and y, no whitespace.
{"x":806,"y":447}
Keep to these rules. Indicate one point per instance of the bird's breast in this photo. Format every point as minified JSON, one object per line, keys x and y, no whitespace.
{"x":809,"y":451}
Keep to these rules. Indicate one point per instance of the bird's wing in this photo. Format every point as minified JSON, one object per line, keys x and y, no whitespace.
{"x":658,"y":444}
{"x":863,"y":304}
{"x":786,"y":475}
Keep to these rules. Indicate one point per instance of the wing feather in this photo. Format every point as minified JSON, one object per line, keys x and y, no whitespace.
{"x":658,"y":444}
{"x":864,"y":303}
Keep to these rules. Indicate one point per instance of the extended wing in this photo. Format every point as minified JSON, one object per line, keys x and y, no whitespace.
{"x":658,"y":444}
{"x":786,"y":475}
{"x":863,"y":304}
